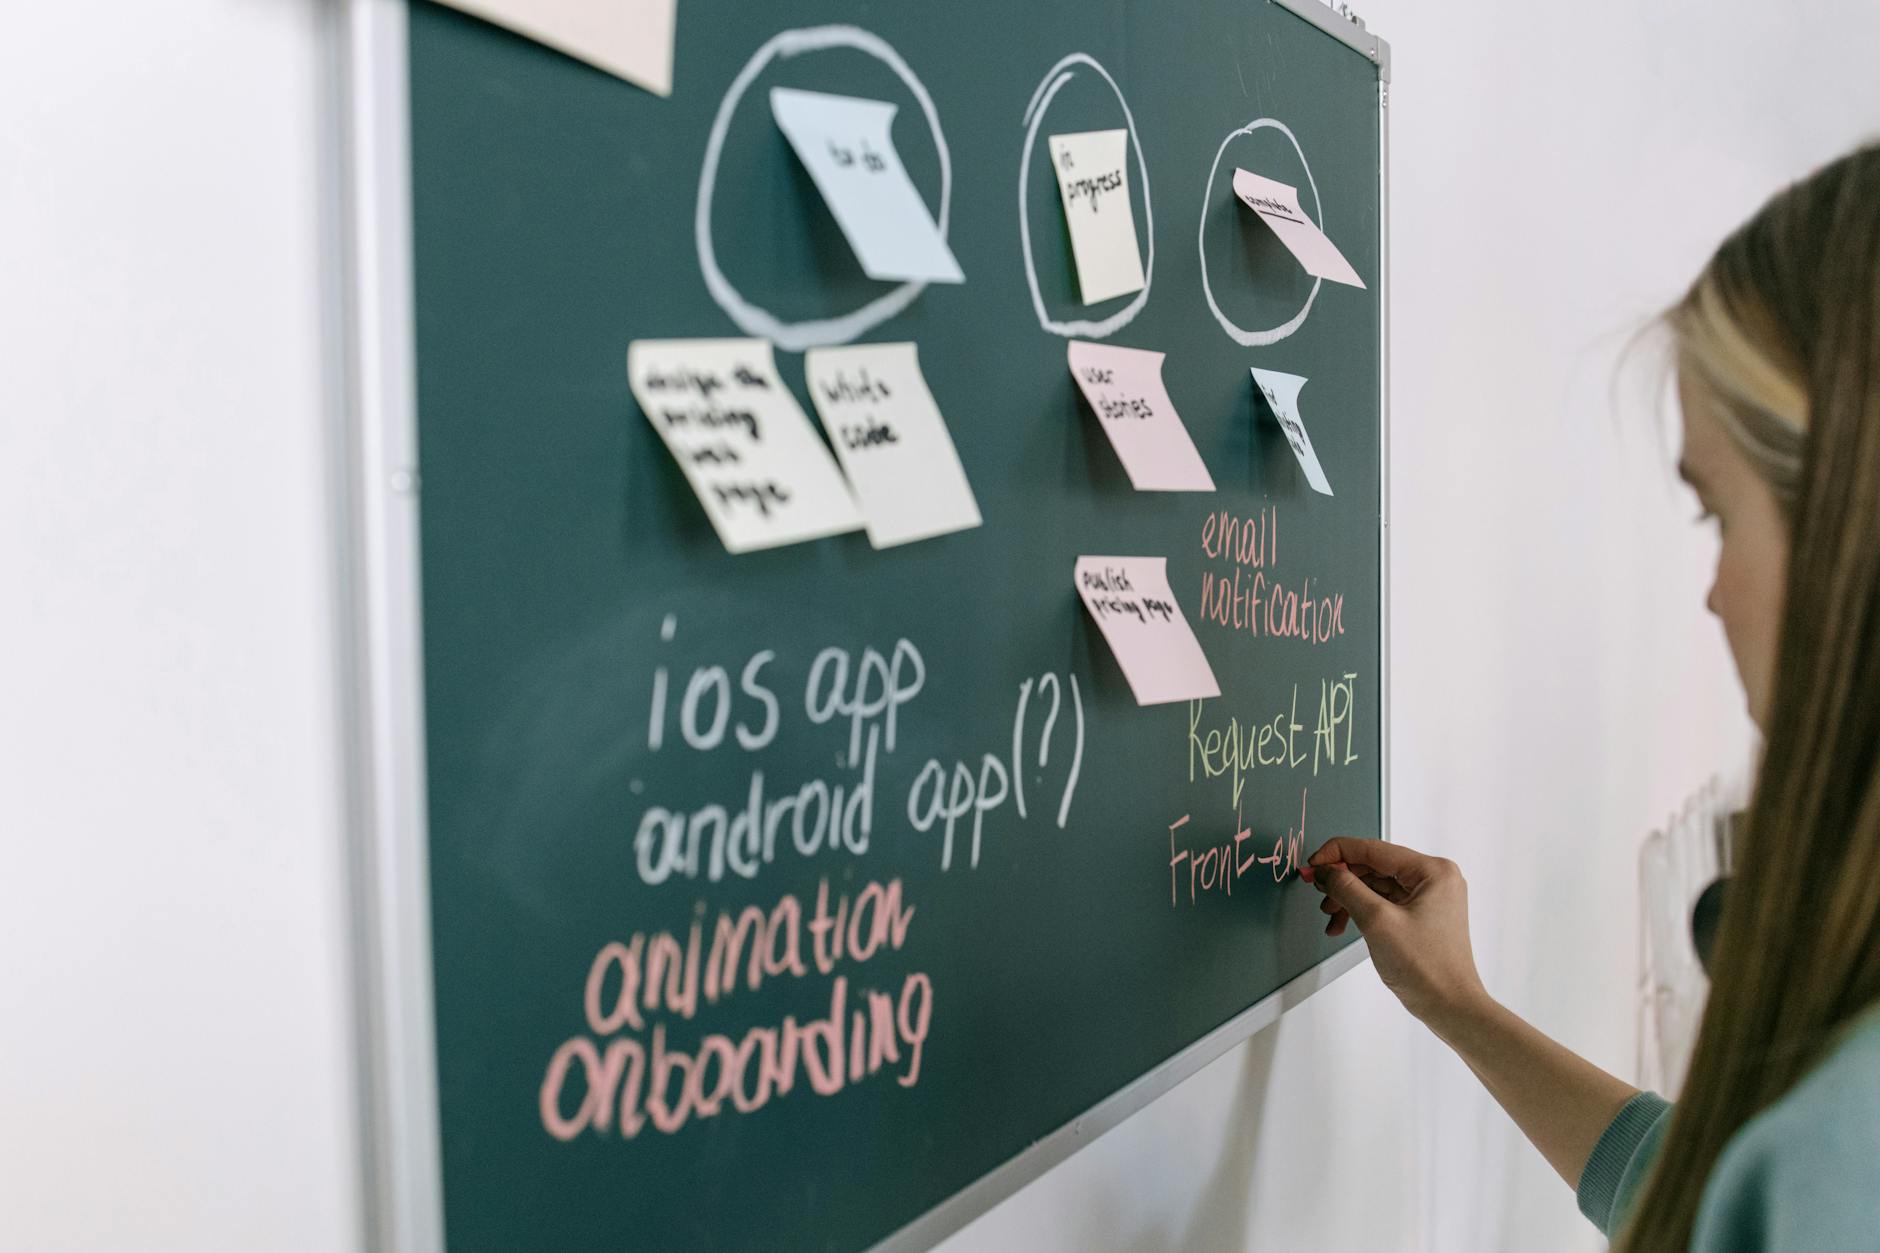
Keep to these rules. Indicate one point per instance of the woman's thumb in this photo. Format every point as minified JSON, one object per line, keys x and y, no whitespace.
{"x":1364,"y":905}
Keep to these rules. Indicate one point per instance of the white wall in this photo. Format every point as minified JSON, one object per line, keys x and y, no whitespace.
{"x":174,"y":1034}
{"x":174,"y":1040}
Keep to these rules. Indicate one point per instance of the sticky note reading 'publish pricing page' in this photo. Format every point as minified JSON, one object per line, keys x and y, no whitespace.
{"x":744,"y":443}
{"x":1282,"y":396}
{"x":1093,"y":181}
{"x":891,"y":440}
{"x":1124,"y":387}
{"x":1277,"y":205}
{"x":845,"y":144}
{"x":1153,"y":643}
{"x":628,"y":38}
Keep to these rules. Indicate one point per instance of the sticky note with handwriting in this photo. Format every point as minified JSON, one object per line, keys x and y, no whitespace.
{"x":1277,"y":205}
{"x":744,"y":443}
{"x":1093,"y":182}
{"x":628,"y":38}
{"x":891,"y":440}
{"x":1125,"y":390}
{"x":1146,"y":630}
{"x":844,"y":143}
{"x":1282,"y":397}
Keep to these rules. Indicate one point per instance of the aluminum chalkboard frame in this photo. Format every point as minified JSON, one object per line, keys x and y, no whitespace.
{"x":372,"y":472}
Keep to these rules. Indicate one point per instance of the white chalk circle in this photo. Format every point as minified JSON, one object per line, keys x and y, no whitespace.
{"x":751,"y":318}
{"x":1054,"y":79}
{"x":1240,"y":334}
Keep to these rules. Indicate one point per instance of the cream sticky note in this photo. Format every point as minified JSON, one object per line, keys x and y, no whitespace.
{"x":628,"y":38}
{"x":845,"y":144}
{"x":1093,"y":182}
{"x":1282,"y":397}
{"x":744,"y":443}
{"x":1125,"y":390}
{"x":891,"y":440}
{"x":1146,"y":630}
{"x":1277,"y":205}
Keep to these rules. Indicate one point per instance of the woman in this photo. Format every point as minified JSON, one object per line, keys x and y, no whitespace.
{"x":1775,"y":1143}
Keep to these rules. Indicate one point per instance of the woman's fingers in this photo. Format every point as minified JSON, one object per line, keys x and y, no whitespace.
{"x":1348,"y":890}
{"x":1405,"y":865}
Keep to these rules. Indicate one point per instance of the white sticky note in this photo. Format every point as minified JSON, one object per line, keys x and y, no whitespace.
{"x":628,"y":38}
{"x":1277,"y":205}
{"x":845,"y":144}
{"x":1282,"y":397}
{"x":891,"y":440}
{"x":744,"y":443}
{"x":1125,"y":390}
{"x":1093,"y":182}
{"x":1147,"y":631}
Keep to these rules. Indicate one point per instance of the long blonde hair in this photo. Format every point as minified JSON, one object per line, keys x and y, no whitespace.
{"x":1782,"y":330}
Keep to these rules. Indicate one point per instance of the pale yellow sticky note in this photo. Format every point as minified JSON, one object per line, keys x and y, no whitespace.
{"x":742,"y":441}
{"x":629,"y":38}
{"x":1093,"y":182}
{"x":892,"y":441}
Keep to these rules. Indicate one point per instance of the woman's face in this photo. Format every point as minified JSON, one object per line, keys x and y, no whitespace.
{"x":1751,"y":582}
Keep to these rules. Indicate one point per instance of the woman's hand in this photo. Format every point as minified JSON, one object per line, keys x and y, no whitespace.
{"x":1413,"y":911}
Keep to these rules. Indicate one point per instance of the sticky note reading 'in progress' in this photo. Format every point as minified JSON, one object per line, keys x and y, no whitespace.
{"x":1277,"y":205}
{"x":1093,"y":182}
{"x":1146,"y":630}
{"x":891,"y":440}
{"x":1124,"y":387}
{"x":1282,"y":397}
{"x":845,"y":145}
{"x":744,"y":443}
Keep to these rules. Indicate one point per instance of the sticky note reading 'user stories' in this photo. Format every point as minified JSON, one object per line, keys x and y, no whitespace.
{"x":1146,"y":630}
{"x":1282,"y":397}
{"x":845,"y":144}
{"x":1093,"y":181}
{"x":1125,"y":390}
{"x":1277,"y":205}
{"x":892,"y":441}
{"x":742,"y":440}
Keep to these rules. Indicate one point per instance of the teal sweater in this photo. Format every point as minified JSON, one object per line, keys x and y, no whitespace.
{"x":1803,"y":1176}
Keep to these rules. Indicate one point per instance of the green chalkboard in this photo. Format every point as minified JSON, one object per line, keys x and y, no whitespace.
{"x":603,"y":1081}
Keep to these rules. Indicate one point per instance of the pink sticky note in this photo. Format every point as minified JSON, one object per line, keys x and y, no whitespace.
{"x":1153,"y":643}
{"x":1124,"y":388}
{"x":1278,"y":206}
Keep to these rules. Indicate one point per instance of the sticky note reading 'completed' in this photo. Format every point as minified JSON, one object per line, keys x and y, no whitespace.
{"x":845,"y":144}
{"x":1124,"y":388}
{"x":1130,"y":599}
{"x":1093,"y":181}
{"x":1282,"y":397}
{"x":628,"y":38}
{"x":747,"y":449}
{"x":1277,"y":205}
{"x":891,"y":440}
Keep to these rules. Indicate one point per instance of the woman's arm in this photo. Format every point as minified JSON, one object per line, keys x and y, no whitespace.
{"x":1413,"y":911}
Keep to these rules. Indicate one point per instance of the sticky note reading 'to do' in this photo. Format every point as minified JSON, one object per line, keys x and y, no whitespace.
{"x":844,"y":143}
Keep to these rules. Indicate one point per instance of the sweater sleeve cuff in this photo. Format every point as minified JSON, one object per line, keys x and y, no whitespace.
{"x":1614,"y":1171}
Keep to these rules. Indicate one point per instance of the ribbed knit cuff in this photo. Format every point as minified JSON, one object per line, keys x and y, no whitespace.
{"x":1607,"y":1168}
